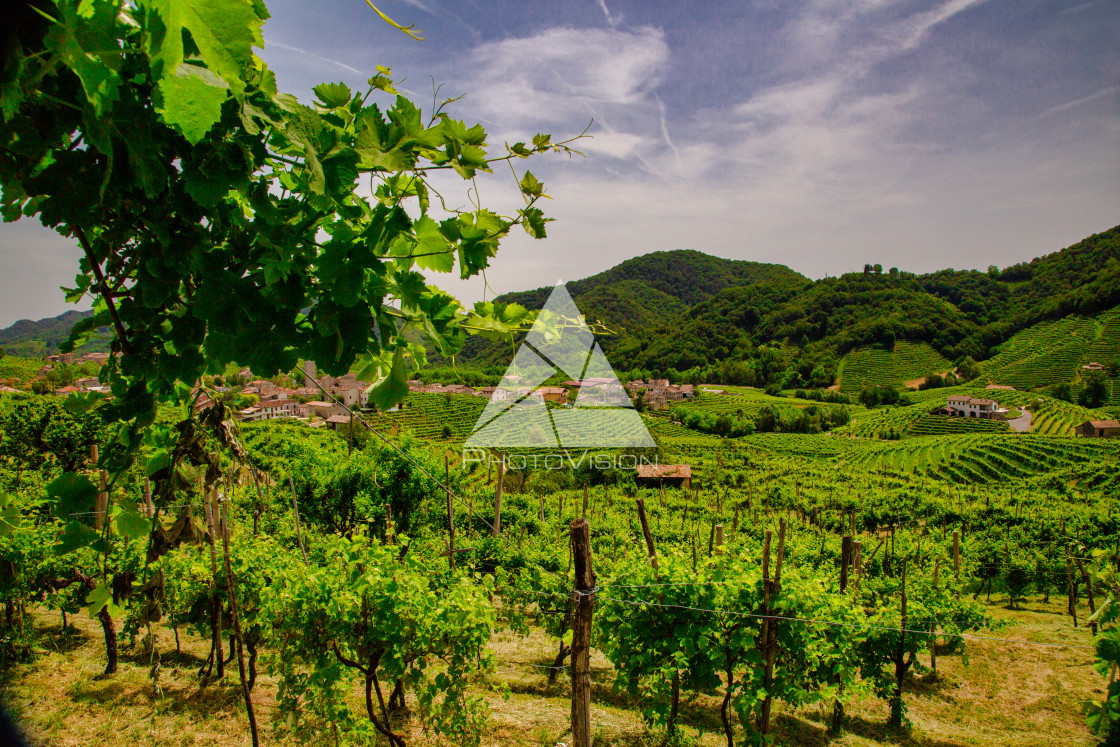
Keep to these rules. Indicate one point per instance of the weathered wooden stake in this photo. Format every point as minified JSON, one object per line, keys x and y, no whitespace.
{"x":498,"y":496}
{"x":581,"y":634}
{"x":295,"y":509}
{"x":215,"y":604}
{"x":650,"y":551}
{"x":845,"y":560}
{"x":450,"y":515}
{"x":234,"y":613}
{"x":719,"y":539}
{"x":584,"y":514}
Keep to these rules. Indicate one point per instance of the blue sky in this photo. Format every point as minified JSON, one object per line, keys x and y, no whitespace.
{"x":819,"y":134}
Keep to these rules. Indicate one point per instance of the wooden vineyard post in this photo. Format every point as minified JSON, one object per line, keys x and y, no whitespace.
{"x":957,"y":560}
{"x":542,"y":510}
{"x":234,"y":613}
{"x":719,"y":539}
{"x":900,"y":665}
{"x":1088,"y":593}
{"x":651,"y":553}
{"x":450,"y":515}
{"x":1071,"y":604}
{"x":149,"y":509}
{"x":498,"y":495}
{"x":101,"y":507}
{"x":845,"y":560}
{"x":584,"y":514}
{"x":215,"y":604}
{"x":581,"y":634}
{"x":772,"y":588}
{"x":857,"y":560}
{"x":933,"y":643}
{"x":295,"y":510}
{"x":846,"y":553}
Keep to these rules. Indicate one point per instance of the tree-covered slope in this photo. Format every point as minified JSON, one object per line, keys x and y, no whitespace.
{"x":692,"y":316}
{"x":38,"y":338}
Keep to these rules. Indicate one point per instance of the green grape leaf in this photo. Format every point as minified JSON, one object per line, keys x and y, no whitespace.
{"x":333,"y":95}
{"x":389,"y":377}
{"x":10,"y":517}
{"x":534,"y":221}
{"x":72,"y":494}
{"x":131,"y":523}
{"x":101,"y":598}
{"x":190,"y":101}
{"x":432,"y":251}
{"x":85,"y":39}
{"x":76,"y":535}
{"x":225,"y":32}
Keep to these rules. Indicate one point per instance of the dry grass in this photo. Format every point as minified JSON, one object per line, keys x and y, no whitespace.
{"x":1010,"y":694}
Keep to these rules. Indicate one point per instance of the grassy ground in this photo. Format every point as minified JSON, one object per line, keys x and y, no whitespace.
{"x":1009,"y":694}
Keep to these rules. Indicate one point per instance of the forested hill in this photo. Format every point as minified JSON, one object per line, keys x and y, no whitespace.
{"x":34,"y":339}
{"x":702,"y":317}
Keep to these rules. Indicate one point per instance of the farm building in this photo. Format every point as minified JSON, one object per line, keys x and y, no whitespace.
{"x":961,"y":405}
{"x":554,"y":393}
{"x":338,"y":421}
{"x":1098,"y":429}
{"x":675,"y":475}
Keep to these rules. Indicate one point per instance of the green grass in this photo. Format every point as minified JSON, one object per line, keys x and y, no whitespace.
{"x":871,"y":367}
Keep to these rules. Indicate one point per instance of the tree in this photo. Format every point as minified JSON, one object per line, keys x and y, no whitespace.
{"x":1095,"y":392}
{"x":213,"y":210}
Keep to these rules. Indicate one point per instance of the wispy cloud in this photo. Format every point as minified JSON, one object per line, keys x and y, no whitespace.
{"x":612,"y":21}
{"x":313,"y":56}
{"x":1102,"y":93}
{"x":538,"y":78}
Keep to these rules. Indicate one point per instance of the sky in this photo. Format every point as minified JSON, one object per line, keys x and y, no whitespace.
{"x":819,"y":134}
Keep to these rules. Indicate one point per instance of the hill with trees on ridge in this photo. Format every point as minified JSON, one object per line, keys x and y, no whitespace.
{"x":37,"y":339}
{"x":691,"y":316}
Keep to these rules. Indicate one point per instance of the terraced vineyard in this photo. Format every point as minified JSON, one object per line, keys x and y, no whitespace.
{"x":873,"y":423}
{"x":906,"y":362}
{"x":937,"y":425}
{"x":1045,"y":354}
{"x":424,"y":415}
{"x":24,"y":369}
{"x":744,"y":402}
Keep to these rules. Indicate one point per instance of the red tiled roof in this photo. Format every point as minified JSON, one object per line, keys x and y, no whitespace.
{"x":1095,"y":423}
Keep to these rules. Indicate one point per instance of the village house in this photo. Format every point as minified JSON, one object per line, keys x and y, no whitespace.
{"x":1092,"y":366}
{"x":320,"y":409}
{"x":672,"y":475}
{"x":961,"y":405}
{"x":338,"y":422}
{"x":273,"y":409}
{"x":1098,"y":429}
{"x":556,"y":394}
{"x":659,"y":392}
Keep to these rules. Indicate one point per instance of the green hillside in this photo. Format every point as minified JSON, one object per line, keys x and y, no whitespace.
{"x":905,"y":362}
{"x":36,"y":339}
{"x":692,"y":317}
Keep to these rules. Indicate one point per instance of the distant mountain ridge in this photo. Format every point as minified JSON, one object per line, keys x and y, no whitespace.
{"x":36,"y":339}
